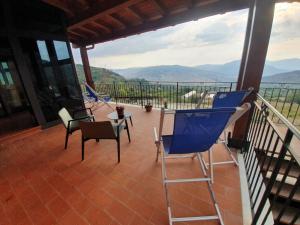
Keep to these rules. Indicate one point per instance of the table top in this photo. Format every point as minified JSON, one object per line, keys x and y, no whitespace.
{"x":114,"y":115}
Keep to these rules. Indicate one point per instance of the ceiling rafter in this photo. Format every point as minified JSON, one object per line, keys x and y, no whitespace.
{"x":101,"y":26}
{"x":64,"y":5}
{"x":118,"y":20}
{"x":170,"y":20}
{"x":77,"y":34}
{"x":137,"y":14}
{"x":100,"y":10}
{"x":160,"y":6}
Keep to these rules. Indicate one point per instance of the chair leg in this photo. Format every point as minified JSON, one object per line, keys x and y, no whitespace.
{"x":118,"y":144}
{"x":97,"y":140}
{"x":211,"y":167}
{"x":157,"y":152}
{"x":82,"y":148}
{"x":131,"y":121}
{"x":66,"y":140}
{"x":127,"y":129}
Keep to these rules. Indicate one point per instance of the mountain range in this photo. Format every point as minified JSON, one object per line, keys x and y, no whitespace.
{"x":212,"y":72}
{"x":281,"y":71}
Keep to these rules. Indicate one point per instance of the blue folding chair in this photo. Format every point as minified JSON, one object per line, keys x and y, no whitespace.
{"x":95,"y":98}
{"x":230,"y":99}
{"x":195,"y":131}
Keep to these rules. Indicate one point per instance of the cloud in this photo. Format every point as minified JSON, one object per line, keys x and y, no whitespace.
{"x":285,"y":36}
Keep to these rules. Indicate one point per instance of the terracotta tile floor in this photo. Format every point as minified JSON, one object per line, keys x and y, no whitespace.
{"x":41,"y":183}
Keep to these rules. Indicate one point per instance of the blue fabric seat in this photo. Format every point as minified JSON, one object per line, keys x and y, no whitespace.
{"x":196,"y":130}
{"x":229,"y":99}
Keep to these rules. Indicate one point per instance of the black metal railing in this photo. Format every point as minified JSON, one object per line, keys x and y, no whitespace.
{"x":272,"y":165}
{"x":180,"y":95}
{"x":185,"y":95}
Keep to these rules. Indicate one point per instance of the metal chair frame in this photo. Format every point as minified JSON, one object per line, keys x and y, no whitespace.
{"x":238,"y":114}
{"x":100,"y":102}
{"x":208,"y":176}
{"x":68,"y":125}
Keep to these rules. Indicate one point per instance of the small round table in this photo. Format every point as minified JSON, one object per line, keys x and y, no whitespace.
{"x":114,"y":116}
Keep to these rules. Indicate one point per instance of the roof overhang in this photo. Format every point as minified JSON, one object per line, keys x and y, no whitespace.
{"x":96,"y":21}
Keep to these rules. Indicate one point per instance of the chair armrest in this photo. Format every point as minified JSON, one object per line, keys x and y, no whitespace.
{"x":156,"y":139}
{"x":81,"y":110}
{"x":82,"y":118}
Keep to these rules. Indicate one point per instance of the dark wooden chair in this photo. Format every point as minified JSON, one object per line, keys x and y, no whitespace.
{"x":102,"y":130}
{"x":72,"y":123}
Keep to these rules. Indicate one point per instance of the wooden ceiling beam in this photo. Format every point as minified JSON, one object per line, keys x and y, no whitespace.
{"x":101,"y":26}
{"x":77,"y":34}
{"x":83,"y":34}
{"x":88,"y":30}
{"x":160,"y":6}
{"x":118,"y":20}
{"x":63,"y":5}
{"x":137,"y":14}
{"x":101,"y":9}
{"x":171,"y":20}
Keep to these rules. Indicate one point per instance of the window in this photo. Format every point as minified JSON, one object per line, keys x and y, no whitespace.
{"x":43,"y":51}
{"x":61,"y":50}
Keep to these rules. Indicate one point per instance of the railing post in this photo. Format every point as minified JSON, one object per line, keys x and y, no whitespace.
{"x":177,"y":95}
{"x":141,"y":94}
{"x":275,"y":172}
{"x":115,"y":92}
{"x":230,"y":87}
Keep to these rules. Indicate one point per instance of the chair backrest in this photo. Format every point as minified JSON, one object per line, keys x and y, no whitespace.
{"x":229,"y":99}
{"x":94,"y":130}
{"x":91,"y":92}
{"x":198,"y":129}
{"x":65,"y":116}
{"x":201,"y":99}
{"x":239,"y":113}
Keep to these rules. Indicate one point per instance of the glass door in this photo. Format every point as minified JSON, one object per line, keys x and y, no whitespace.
{"x":15,"y":110}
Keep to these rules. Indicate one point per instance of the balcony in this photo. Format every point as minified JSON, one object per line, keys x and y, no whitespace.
{"x":41,"y":183}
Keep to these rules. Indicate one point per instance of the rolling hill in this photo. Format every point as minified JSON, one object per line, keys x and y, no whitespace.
{"x":171,"y":73}
{"x":205,"y":73}
{"x":287,"y":70}
{"x":99,"y":74}
{"x":232,"y":68}
{"x":288,"y":77}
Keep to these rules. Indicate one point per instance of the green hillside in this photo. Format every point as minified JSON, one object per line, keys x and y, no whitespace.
{"x":99,"y":74}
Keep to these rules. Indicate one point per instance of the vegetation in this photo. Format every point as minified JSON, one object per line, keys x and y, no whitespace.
{"x":99,"y":74}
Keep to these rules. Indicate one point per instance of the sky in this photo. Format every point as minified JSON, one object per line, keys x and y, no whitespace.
{"x":212,"y":40}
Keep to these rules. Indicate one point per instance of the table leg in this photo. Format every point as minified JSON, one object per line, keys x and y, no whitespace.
{"x":127,"y":129}
{"x":131,"y":121}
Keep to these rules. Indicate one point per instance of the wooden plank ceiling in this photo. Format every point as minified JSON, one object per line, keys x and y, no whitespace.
{"x":95,"y":21}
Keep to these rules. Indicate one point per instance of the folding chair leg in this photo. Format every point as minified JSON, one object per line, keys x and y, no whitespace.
{"x":109,"y":106}
{"x":207,"y":179}
{"x":66,"y":140}
{"x":231,"y":155}
{"x":82,"y":148}
{"x":209,"y":185}
{"x":211,"y":169}
{"x":157,"y":151}
{"x":118,"y":146}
